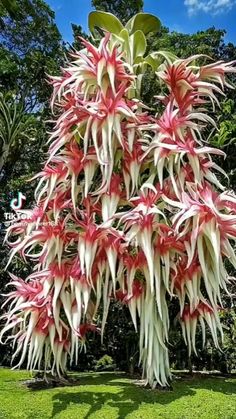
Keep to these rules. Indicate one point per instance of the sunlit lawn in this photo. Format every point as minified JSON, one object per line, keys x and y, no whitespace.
{"x":110,"y":395}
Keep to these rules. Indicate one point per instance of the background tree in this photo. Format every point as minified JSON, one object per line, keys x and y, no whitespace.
{"x":78,"y":32}
{"x":10,"y":7}
{"x":30,"y":48}
{"x":122,"y":9}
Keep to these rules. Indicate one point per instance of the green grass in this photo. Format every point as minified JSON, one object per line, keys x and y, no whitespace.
{"x":109,"y":395}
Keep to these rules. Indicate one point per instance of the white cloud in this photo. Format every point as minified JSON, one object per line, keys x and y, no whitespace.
{"x":213,"y":7}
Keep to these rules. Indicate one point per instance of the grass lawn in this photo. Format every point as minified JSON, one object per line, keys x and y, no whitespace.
{"x":109,"y":395}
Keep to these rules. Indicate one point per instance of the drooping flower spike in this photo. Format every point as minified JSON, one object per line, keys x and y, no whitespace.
{"x":127,"y":209}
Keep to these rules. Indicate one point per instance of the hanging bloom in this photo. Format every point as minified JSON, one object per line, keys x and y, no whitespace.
{"x":127,"y":207}
{"x":111,"y":198}
{"x":216,"y":72}
{"x":203,"y":313}
{"x":131,"y":168}
{"x":186,"y":281}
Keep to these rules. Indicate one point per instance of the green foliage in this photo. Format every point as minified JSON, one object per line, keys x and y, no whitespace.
{"x":120,"y":339}
{"x":209,"y":42}
{"x":31,"y":48}
{"x":105,"y":363}
{"x":10,"y":7}
{"x":122,"y":9}
{"x":227,"y":125}
{"x":120,"y":342}
{"x":8,"y":70}
{"x":16,"y":127}
{"x":227,"y":356}
{"x":105,"y":21}
{"x":143,"y":22}
{"x":77,"y":33}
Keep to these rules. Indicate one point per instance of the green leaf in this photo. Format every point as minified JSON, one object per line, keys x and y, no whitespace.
{"x":167,"y":55}
{"x":124,"y":35}
{"x":143,"y":22}
{"x":139,"y":44}
{"x":153,"y":61}
{"x":104,"y":20}
{"x":11,"y":7}
{"x":139,"y":60}
{"x":123,"y":38}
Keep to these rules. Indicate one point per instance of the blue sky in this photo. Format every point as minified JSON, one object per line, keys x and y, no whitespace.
{"x":187,"y":16}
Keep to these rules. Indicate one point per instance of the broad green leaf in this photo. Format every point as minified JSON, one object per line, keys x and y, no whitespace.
{"x":124,"y":35}
{"x":153,"y":61}
{"x":139,"y":44}
{"x":104,"y":20}
{"x":138,"y":60}
{"x":168,"y":56}
{"x":124,"y":38}
{"x":143,"y":22}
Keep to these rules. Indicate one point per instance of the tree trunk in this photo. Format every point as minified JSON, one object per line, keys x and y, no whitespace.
{"x":190,"y":366}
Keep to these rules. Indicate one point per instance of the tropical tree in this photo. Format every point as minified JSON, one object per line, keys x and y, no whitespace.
{"x":10,"y":6}
{"x":127,"y":206}
{"x":30,"y":48}
{"x":78,"y":33}
{"x":122,"y":9}
{"x":15,"y":128}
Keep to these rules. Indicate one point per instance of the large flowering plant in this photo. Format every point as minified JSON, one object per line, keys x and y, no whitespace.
{"x":126,"y":208}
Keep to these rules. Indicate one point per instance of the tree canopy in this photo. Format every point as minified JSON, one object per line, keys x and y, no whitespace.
{"x":122,"y":9}
{"x":30,"y":48}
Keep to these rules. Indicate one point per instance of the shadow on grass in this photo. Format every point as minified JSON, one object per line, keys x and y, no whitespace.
{"x":129,"y":397}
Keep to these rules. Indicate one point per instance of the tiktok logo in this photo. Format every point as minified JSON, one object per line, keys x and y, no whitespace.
{"x":16,"y":203}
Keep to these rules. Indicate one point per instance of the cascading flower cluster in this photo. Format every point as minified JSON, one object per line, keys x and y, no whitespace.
{"x":126,"y":209}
